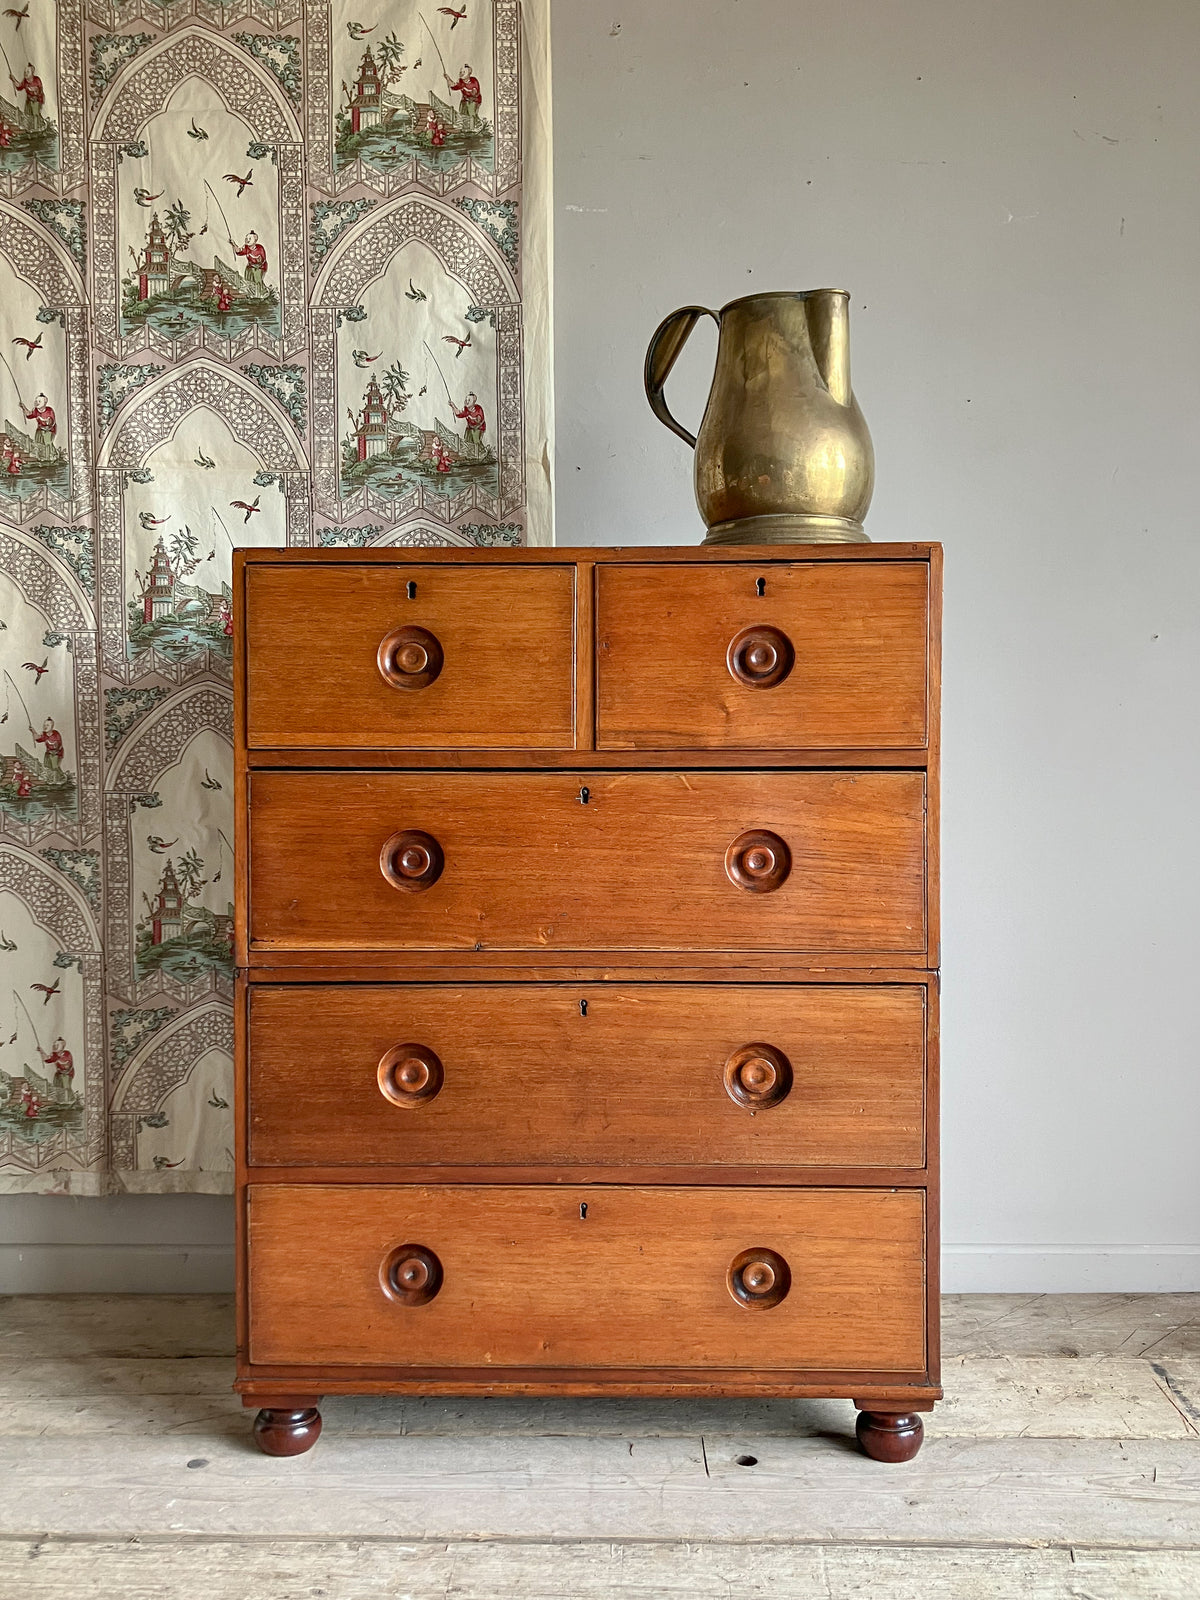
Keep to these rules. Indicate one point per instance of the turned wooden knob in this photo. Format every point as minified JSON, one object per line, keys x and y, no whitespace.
{"x":760,"y":657}
{"x":759,"y":1279}
{"x":410,"y":1074}
{"x":409,"y":657}
{"x":758,"y":861}
{"x":758,"y":1076}
{"x":411,"y":860}
{"x":411,"y":1275}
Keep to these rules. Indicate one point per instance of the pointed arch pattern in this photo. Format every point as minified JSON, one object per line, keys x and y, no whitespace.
{"x":61,"y":908}
{"x":135,"y":359}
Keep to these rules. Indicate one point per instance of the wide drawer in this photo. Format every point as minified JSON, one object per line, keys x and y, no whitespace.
{"x":813,"y":861}
{"x":570,"y":1075}
{"x":457,"y":1276}
{"x":413,"y":657}
{"x":828,"y":655}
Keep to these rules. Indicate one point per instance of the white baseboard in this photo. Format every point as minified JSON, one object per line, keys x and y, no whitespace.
{"x":81,"y":1268}
{"x":1070,"y":1268}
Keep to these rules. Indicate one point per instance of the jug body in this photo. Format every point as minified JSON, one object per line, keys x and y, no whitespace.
{"x":783,"y":454}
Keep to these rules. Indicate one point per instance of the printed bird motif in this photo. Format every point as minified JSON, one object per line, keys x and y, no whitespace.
{"x":240,"y":505}
{"x":46,"y":990}
{"x":32,"y":666}
{"x":413,"y":293}
{"x":147,"y":521}
{"x":144,"y":197}
{"x":30,"y":345}
{"x":449,"y":11}
{"x":159,"y":845}
{"x":19,"y":15}
{"x":362,"y":359}
{"x":217,"y":1103}
{"x":209,"y":783}
{"x":232,"y":177}
{"x":204,"y":461}
{"x":463,"y":344}
{"x":5,"y":942}
{"x":357,"y":31}
{"x":196,"y":133}
{"x":422,"y":390}
{"x":161,"y":1163}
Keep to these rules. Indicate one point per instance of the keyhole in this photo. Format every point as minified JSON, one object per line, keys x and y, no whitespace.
{"x":761,"y":585}
{"x":583,"y":1008}
{"x":584,"y":796}
{"x":412,"y":589}
{"x":583,"y":1211}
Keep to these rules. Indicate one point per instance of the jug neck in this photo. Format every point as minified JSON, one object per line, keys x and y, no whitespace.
{"x":827,"y":319}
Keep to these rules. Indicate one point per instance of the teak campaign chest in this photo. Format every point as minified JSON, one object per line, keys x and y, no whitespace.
{"x":587,"y":944}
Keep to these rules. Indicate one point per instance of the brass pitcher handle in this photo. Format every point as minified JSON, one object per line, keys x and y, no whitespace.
{"x":669,"y":339}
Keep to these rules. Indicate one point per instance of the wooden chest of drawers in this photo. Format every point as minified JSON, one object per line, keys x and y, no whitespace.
{"x":587,"y":998}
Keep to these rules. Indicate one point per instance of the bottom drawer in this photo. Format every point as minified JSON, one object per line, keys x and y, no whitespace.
{"x":460,"y":1276}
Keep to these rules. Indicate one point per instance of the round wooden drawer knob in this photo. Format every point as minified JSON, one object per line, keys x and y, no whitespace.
{"x":758,"y":1076}
{"x":411,"y":860}
{"x":410,"y":1074}
{"x":760,"y":657}
{"x":759,"y":1279}
{"x":409,"y":657}
{"x":411,"y":1275}
{"x":758,"y":861}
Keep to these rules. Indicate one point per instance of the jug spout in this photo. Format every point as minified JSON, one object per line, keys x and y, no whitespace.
{"x":828,"y":313}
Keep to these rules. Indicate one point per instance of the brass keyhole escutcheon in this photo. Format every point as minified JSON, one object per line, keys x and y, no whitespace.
{"x":411,"y":1275}
{"x":411,"y":860}
{"x":410,"y":1074}
{"x":409,"y":657}
{"x":758,"y":1279}
{"x":760,"y":657}
{"x":758,"y":1076}
{"x":758,"y":861}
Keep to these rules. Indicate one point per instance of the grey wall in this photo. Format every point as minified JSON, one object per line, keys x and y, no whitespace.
{"x":1009,"y":190}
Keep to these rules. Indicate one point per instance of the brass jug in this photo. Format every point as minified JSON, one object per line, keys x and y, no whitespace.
{"x":783,"y":455}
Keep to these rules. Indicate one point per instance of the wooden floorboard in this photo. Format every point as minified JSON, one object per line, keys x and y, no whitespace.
{"x":52,"y":1569}
{"x":1064,"y":1462}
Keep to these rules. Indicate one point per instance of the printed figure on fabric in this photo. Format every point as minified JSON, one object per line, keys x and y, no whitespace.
{"x":27,"y":133}
{"x":396,"y":99}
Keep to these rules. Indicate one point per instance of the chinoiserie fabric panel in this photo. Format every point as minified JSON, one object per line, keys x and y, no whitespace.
{"x":273,"y":274}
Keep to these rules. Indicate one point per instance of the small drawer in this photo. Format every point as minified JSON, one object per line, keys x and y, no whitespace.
{"x":733,"y":861}
{"x":778,"y":656}
{"x":592,"y":1074}
{"x":420,"y":657}
{"x":455,"y":1277}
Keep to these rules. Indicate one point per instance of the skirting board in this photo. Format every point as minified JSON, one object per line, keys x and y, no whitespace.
{"x":966,"y":1269}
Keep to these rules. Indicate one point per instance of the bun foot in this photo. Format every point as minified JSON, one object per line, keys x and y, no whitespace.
{"x":287,"y":1433}
{"x":888,"y":1435}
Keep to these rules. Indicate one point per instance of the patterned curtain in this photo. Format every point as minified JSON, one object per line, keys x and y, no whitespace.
{"x":273,"y":274}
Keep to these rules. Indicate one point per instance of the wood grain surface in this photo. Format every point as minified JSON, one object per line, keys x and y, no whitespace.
{"x":574,"y":861}
{"x":584,"y":1276}
{"x":563,"y":1075}
{"x":859,"y":633}
{"x":506,"y":634}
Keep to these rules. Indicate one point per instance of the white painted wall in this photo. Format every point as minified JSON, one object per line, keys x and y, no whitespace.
{"x":1009,"y":189}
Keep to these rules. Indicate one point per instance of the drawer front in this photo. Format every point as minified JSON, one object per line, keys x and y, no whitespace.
{"x":457,"y":1276}
{"x":340,"y":657}
{"x":816,"y":861}
{"x":830,"y":655}
{"x":564,"y":1075}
